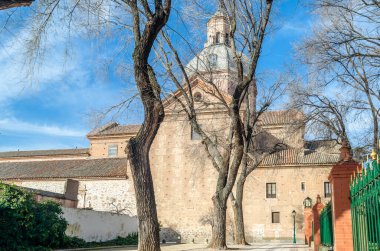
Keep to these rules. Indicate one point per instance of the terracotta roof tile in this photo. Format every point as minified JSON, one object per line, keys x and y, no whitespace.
{"x":36,"y":153}
{"x":299,"y":157}
{"x":281,"y":117}
{"x":69,"y":168}
{"x":114,"y":129}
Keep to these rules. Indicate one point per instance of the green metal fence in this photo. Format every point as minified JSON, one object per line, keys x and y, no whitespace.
{"x":327,"y":238}
{"x":365,"y":207}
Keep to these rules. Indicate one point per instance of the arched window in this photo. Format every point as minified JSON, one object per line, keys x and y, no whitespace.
{"x":217,"y":38}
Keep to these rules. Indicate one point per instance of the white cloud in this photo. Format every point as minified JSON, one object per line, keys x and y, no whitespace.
{"x":298,"y":27}
{"x":15,"y":125}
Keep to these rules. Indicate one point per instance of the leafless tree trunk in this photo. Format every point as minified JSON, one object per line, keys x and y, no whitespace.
{"x":139,"y":146}
{"x":253,"y":153}
{"x":226,"y":160}
{"x":148,"y":19}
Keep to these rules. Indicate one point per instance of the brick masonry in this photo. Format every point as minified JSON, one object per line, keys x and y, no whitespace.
{"x":340,"y":179}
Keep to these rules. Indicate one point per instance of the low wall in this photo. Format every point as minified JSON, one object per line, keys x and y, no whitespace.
{"x":98,"y":226}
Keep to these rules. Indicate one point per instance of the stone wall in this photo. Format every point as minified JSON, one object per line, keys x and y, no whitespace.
{"x":114,"y":195}
{"x":98,"y":226}
{"x":99,"y":146}
{"x":289,"y":196}
{"x":185,"y":180}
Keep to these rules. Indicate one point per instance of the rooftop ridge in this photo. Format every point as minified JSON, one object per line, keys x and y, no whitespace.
{"x":105,"y":127}
{"x":115,"y":129}
{"x":30,"y":153}
{"x":72,"y":168}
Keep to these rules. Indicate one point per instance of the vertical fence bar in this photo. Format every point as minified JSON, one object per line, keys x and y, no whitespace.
{"x":365,"y":208}
{"x":326,"y":226}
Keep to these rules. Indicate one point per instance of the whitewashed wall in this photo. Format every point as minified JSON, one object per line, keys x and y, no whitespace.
{"x":98,"y":226}
{"x":112,"y":195}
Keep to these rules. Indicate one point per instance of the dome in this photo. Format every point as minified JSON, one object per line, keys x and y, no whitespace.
{"x":214,"y":59}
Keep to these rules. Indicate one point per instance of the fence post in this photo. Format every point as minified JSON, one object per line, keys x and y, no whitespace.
{"x":317,"y":208}
{"x":340,"y":177}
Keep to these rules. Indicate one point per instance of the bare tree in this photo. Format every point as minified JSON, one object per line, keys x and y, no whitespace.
{"x":326,"y":116}
{"x":344,"y":51}
{"x":6,"y":4}
{"x":257,"y":146}
{"x":147,"y":18}
{"x":150,"y":91}
{"x":247,"y":21}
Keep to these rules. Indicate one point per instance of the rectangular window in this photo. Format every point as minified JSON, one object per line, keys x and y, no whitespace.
{"x":275,"y":217}
{"x":303,"y":186}
{"x":194,"y":134}
{"x":271,"y":190}
{"x":327,"y":189}
{"x":112,"y":151}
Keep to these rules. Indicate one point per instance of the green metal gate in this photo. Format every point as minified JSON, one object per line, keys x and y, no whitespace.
{"x":365,"y":208}
{"x":327,"y":233}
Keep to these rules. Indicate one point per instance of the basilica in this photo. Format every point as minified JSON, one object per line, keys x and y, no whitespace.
{"x":183,"y":175}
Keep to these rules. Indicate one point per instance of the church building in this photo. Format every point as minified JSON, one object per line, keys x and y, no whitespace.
{"x":183,"y":175}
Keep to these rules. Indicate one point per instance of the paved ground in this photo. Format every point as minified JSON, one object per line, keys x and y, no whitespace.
{"x":257,"y":247}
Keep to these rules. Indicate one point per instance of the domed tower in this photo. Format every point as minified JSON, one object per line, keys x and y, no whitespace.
{"x":215,"y":62}
{"x":218,"y":29}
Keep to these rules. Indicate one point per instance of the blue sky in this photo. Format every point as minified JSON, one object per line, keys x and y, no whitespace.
{"x":77,"y":79}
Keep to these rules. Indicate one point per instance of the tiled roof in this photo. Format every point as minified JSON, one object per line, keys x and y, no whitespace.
{"x":299,"y":157}
{"x":35,"y":153}
{"x":69,"y":168}
{"x":281,"y":117}
{"x":114,"y":129}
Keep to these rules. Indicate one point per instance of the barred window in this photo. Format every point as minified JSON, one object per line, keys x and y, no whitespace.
{"x":271,"y":190}
{"x":303,"y":186}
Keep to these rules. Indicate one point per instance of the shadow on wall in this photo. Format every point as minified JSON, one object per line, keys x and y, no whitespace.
{"x":168,"y":235}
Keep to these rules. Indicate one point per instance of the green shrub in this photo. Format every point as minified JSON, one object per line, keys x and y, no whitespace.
{"x":31,"y":226}
{"x":28,"y":225}
{"x":73,"y":242}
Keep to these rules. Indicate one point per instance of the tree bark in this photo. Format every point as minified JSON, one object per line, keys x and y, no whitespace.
{"x":237,"y":206}
{"x":218,"y":240}
{"x":139,"y":146}
{"x":138,"y":153}
{"x":6,"y":4}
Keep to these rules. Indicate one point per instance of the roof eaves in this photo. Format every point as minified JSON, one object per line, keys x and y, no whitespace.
{"x":101,"y":129}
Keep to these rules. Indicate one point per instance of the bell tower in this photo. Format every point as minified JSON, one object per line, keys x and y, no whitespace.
{"x":218,"y":29}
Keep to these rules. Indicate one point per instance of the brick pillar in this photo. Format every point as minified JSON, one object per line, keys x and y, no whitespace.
{"x":317,"y":208}
{"x":340,"y":177}
{"x":308,"y":221}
